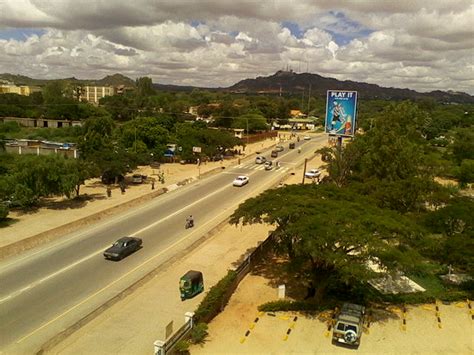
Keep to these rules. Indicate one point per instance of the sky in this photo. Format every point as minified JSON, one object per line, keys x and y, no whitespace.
{"x":417,"y":44}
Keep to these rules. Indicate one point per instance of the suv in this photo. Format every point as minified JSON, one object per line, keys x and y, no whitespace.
{"x":348,"y":327}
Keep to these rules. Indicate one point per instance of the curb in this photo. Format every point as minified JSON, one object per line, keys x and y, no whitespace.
{"x":57,"y":232}
{"x":58,"y":338}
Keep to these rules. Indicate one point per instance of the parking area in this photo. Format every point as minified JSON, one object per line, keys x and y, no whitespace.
{"x":425,"y":329}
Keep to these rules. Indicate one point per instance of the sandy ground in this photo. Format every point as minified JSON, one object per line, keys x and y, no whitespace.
{"x":308,"y":334}
{"x":269,"y":335}
{"x":93,"y":199}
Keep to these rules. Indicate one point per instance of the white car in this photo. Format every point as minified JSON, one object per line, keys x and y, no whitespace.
{"x":312,"y":174}
{"x":241,"y":180}
{"x":260,"y":160}
{"x":306,"y":138}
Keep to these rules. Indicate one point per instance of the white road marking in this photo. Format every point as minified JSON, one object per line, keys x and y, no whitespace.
{"x":60,"y":271}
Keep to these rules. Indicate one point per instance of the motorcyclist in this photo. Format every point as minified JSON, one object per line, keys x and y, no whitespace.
{"x":299,"y":150}
{"x":190,"y":221}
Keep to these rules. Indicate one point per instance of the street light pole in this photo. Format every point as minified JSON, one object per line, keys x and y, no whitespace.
{"x":247,"y":119}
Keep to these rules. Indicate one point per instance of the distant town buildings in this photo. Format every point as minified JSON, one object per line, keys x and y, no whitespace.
{"x":297,"y":114}
{"x":93,"y":94}
{"x":24,"y":90}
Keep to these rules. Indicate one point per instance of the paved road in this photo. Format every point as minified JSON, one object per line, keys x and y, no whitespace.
{"x":45,"y":290}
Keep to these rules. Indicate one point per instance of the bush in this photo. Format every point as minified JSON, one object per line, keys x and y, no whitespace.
{"x":4,"y":210}
{"x":211,"y":304}
{"x":181,"y":347}
{"x":295,"y":306}
{"x":198,"y":333}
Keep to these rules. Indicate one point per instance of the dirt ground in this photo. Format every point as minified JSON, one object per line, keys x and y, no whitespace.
{"x":241,"y":329}
{"x":236,"y":329}
{"x":55,"y":212}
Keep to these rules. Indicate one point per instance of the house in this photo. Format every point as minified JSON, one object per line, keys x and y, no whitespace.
{"x":24,"y":90}
{"x":93,"y":94}
{"x":297,"y":113}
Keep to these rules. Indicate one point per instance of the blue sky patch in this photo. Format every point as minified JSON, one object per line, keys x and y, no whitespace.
{"x":294,"y":28}
{"x":343,"y":29}
{"x":20,"y":34}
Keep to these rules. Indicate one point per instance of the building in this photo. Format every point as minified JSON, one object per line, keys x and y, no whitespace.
{"x":24,"y":90}
{"x":93,"y":94}
{"x":297,"y":113}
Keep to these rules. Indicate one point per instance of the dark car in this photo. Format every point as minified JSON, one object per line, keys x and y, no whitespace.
{"x":122,"y":248}
{"x":274,"y":154}
{"x":292,"y":145}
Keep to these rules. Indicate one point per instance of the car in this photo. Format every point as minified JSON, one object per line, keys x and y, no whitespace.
{"x":122,"y":248}
{"x":291,"y":145}
{"x":312,"y":174}
{"x":260,"y":160}
{"x":306,"y":138}
{"x":268,"y":165}
{"x":349,"y":325}
{"x":138,"y":178}
{"x":279,"y":148}
{"x":274,"y":154}
{"x":241,"y":180}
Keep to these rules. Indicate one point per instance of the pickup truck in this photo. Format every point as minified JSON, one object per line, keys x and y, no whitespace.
{"x":349,"y":324}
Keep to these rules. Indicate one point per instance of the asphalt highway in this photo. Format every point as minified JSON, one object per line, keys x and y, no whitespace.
{"x":45,"y":290}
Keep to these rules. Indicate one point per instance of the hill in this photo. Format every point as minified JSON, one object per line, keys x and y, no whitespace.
{"x":290,"y":82}
{"x":113,"y":80}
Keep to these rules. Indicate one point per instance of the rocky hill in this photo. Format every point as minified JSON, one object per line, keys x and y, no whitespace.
{"x":113,"y":80}
{"x":289,"y":82}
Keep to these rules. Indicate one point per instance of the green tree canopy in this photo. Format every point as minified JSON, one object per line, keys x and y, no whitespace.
{"x":333,"y":233}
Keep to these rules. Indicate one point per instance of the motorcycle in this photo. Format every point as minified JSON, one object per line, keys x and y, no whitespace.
{"x":189,"y":224}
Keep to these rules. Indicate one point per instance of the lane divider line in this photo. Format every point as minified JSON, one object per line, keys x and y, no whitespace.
{"x":251,"y":192}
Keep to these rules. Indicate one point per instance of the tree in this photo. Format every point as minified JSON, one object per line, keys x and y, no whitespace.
{"x":254,"y":122}
{"x":147,"y":130}
{"x":453,"y":226}
{"x":332,"y":233}
{"x":463,"y":145}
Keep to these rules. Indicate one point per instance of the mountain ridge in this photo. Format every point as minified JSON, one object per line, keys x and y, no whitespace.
{"x":291,"y":82}
{"x":286,"y":82}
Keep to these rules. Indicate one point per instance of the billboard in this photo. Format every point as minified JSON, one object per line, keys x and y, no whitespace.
{"x":341,"y":112}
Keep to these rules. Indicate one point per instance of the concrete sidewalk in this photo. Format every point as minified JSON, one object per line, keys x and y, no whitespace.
{"x":60,"y":216}
{"x":133,"y":324}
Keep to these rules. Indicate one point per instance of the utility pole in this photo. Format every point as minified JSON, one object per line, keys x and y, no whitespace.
{"x":247,"y":130}
{"x":304,"y":170}
{"x":309,"y":96}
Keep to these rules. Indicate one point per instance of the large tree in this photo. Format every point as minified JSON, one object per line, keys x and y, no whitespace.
{"x":332,"y":233}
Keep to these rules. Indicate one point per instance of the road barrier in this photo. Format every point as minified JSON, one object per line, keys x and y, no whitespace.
{"x":166,"y":347}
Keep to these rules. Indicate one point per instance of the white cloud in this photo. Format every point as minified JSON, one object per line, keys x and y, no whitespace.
{"x":417,"y":44}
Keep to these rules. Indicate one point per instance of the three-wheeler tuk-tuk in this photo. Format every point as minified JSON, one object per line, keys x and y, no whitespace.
{"x":191,"y":284}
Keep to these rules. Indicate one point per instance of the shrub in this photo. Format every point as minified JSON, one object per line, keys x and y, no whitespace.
{"x":4,"y":210}
{"x":181,"y":347}
{"x":295,"y":306}
{"x":198,"y":333}
{"x":212,"y":304}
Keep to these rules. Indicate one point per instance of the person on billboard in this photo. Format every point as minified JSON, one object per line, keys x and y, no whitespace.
{"x":337,"y":114}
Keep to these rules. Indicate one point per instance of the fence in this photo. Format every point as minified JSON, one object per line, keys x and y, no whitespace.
{"x":18,"y":149}
{"x":166,"y":347}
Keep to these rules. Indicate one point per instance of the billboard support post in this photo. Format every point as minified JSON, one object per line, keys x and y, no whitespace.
{"x":304,"y":170}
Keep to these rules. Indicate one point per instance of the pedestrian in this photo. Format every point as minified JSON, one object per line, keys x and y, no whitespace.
{"x":153,"y":184}
{"x":109,"y":191}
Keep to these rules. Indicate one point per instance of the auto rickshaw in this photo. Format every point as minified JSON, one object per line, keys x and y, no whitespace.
{"x":191,"y":284}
